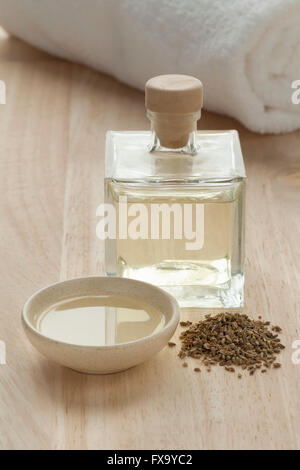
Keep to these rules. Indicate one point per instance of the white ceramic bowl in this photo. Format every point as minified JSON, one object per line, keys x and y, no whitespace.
{"x":100,"y":359}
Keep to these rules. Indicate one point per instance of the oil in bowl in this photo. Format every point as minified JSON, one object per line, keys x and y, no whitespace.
{"x":100,"y":325}
{"x":102,"y":320}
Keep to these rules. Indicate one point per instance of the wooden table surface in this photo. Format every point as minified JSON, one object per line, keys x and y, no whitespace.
{"x":52,"y":132}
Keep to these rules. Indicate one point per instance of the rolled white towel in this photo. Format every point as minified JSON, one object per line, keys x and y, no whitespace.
{"x":246,"y":52}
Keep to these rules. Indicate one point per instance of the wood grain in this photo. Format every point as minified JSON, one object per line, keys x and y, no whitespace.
{"x":52,"y":133}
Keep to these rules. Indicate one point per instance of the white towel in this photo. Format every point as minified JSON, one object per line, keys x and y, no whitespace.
{"x":246,"y":52}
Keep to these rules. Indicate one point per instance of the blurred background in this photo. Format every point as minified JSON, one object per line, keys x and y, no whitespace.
{"x":245,"y":52}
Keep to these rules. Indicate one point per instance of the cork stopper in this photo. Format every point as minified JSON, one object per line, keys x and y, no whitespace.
{"x":174,"y":94}
{"x":174,"y":102}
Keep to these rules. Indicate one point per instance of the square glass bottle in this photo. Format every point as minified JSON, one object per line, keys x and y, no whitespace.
{"x":177,"y":199}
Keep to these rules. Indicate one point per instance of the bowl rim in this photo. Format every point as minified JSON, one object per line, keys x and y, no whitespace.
{"x":172,"y":322}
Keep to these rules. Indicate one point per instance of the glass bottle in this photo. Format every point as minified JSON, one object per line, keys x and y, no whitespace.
{"x":177,"y":199}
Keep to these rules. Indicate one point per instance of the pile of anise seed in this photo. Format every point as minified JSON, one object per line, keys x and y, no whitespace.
{"x":231,"y":340}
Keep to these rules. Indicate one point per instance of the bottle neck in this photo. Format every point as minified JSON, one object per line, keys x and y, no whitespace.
{"x":174,"y":132}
